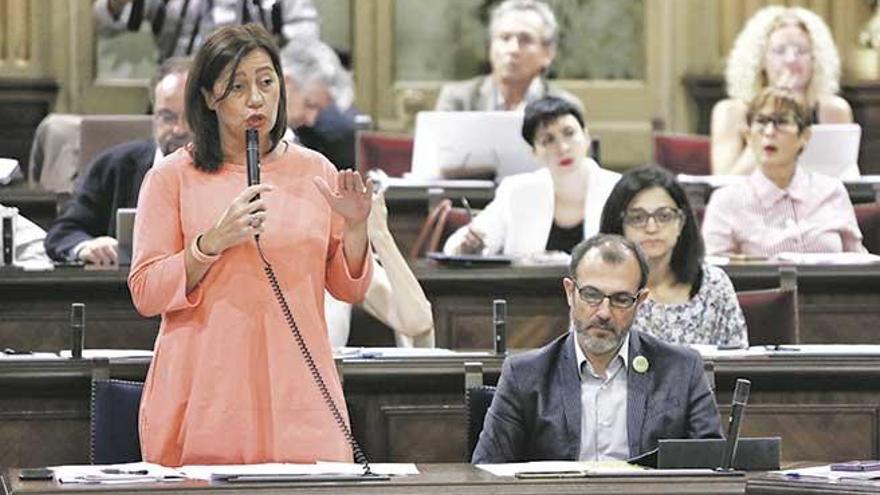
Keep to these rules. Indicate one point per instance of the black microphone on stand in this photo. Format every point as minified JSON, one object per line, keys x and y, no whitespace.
{"x":252,"y":138}
{"x":499,"y":321}
{"x":740,"y":398}
{"x":77,"y":329}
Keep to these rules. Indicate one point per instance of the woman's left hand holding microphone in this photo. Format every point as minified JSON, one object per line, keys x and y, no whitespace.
{"x":244,"y":218}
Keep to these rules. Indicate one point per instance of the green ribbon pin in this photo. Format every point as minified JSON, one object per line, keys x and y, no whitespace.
{"x":640,"y":364}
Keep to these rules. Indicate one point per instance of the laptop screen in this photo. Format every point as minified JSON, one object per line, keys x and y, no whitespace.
{"x":833,"y":149}
{"x":125,"y":233}
{"x":449,"y":145}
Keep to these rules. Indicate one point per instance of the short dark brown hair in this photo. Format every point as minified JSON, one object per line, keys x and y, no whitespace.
{"x":784,"y":101}
{"x":612,"y":248}
{"x":226,"y":47}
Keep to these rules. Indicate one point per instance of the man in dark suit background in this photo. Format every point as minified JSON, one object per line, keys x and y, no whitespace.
{"x":320,"y":101}
{"x":523,"y":36}
{"x":602,"y":390}
{"x":86,"y":231}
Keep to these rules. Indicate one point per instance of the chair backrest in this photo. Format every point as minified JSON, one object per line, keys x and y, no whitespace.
{"x":683,"y":153}
{"x":440,"y":223}
{"x":114,"y":421}
{"x":772,"y":314}
{"x":477,"y":401}
{"x":100,"y":132}
{"x":868,"y":216}
{"x":391,"y":153}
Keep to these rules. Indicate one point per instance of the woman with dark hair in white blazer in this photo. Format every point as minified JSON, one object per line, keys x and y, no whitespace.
{"x":552,"y":208}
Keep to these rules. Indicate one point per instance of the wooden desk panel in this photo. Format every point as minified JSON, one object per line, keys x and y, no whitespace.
{"x":772,"y":485}
{"x":837,"y":304}
{"x":825,"y":409}
{"x":432,"y":479}
{"x":35,"y":310}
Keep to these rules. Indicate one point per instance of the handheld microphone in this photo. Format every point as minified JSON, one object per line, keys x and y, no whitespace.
{"x":499,"y":321}
{"x":77,"y":329}
{"x":252,"y":137}
{"x":740,"y":398}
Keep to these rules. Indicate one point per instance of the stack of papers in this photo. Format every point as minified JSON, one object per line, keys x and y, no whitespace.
{"x":110,"y":474}
{"x":111,"y":353}
{"x":828,"y":258}
{"x":824,"y":473}
{"x":8,"y":170}
{"x":549,"y":467}
{"x":145,"y":472}
{"x":400,"y":352}
{"x":279,"y":471}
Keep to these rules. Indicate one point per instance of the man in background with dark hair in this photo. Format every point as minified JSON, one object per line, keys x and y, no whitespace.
{"x":86,"y":231}
{"x":603,"y":390}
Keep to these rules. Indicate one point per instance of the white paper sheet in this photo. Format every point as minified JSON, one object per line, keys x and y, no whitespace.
{"x":511,"y":469}
{"x":133,"y":472}
{"x":285,"y":469}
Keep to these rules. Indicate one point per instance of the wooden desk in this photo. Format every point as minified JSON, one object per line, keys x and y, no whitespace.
{"x":863,"y":191}
{"x":35,"y":203}
{"x":432,"y":479}
{"x":824,"y":408}
{"x":35,"y":310}
{"x":837,"y":304}
{"x":769,"y":485}
{"x":409,"y":207}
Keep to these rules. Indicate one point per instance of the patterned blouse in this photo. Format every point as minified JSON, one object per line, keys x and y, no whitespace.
{"x":711,"y":316}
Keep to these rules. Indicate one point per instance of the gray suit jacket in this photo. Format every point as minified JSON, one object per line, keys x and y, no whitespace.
{"x":477,"y":94}
{"x":536,"y":412}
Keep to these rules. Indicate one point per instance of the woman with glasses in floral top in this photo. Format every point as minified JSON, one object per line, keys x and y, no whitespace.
{"x":780,"y":207}
{"x":689,"y":301}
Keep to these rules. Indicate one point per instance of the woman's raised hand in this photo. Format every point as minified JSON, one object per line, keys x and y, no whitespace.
{"x":241,"y":220}
{"x":351,"y":198}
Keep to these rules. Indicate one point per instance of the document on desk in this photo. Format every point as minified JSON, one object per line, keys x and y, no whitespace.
{"x":111,"y":353}
{"x":825,"y":350}
{"x":401,"y":352}
{"x":560,"y":467}
{"x":827,"y":258}
{"x":112,"y":474}
{"x":825,"y":473}
{"x":282,"y":470}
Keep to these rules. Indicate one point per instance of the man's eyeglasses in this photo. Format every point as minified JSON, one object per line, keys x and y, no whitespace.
{"x":663,"y":216}
{"x":595,"y":297}
{"x":782,"y":123}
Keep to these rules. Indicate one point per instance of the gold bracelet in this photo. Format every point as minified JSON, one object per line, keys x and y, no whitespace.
{"x":199,"y":255}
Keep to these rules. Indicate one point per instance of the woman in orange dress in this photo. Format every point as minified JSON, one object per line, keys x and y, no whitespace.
{"x":228,"y":382}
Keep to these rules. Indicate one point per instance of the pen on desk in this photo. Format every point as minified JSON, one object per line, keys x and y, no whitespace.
{"x":123,"y":471}
{"x":467,"y":206}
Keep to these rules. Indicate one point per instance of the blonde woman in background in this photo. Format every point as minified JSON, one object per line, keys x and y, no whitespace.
{"x":787,"y":47}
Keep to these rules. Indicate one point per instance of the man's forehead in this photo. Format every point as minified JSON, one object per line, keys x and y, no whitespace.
{"x":171,"y":83}
{"x":613,"y":276}
{"x":520,"y":21}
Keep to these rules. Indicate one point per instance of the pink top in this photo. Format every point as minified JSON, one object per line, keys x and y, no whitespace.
{"x":227,"y":383}
{"x":754,"y":216}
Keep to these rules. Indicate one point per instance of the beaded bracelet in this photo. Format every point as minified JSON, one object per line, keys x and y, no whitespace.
{"x":200,"y":256}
